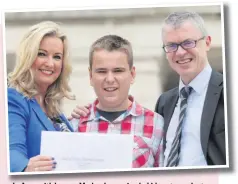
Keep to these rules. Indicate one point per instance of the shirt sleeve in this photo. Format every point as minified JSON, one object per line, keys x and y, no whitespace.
{"x":158,"y":141}
{"x":161,"y":154}
{"x":17,"y":117}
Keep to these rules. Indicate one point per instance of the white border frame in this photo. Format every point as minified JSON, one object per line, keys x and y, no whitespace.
{"x":221,"y":4}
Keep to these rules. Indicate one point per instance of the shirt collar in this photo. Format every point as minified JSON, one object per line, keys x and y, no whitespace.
{"x":200,"y":82}
{"x":134,"y":109}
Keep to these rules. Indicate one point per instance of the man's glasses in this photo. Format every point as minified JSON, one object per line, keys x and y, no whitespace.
{"x":187,"y":44}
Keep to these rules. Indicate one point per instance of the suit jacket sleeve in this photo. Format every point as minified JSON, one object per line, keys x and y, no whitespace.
{"x":18,"y":114}
{"x":160,"y":105}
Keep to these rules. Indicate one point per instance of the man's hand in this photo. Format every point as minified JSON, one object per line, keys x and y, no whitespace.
{"x":79,"y":111}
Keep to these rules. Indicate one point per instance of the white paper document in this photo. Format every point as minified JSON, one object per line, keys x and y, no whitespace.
{"x":88,"y":151}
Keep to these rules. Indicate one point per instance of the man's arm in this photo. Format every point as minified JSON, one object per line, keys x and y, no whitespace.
{"x":158,"y":140}
{"x":160,"y":105}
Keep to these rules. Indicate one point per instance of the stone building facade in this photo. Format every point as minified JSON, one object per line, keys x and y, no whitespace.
{"x":141,"y":26}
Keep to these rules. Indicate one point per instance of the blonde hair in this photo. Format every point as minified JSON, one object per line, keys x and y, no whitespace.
{"x":22,"y":78}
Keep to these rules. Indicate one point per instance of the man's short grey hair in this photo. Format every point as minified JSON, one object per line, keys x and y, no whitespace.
{"x":176,"y":19}
{"x":112,"y":43}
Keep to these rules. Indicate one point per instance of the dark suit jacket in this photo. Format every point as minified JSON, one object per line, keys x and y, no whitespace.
{"x":212,"y":121}
{"x":26,"y":122}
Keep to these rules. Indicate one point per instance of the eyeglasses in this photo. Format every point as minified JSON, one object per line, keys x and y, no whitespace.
{"x":187,"y":44}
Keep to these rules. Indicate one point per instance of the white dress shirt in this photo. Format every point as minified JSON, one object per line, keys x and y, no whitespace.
{"x":191,"y":153}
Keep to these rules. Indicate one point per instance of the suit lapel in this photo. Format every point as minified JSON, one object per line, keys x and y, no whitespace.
{"x":169,"y":109}
{"x":212,"y":97}
{"x":41,"y":116}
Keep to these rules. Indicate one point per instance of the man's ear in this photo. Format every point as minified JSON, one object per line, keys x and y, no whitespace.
{"x":208,"y":42}
{"x":133,"y":74}
{"x":90,"y":75}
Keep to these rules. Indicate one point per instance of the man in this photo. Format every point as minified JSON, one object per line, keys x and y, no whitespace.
{"x":111,"y":73}
{"x":194,"y":125}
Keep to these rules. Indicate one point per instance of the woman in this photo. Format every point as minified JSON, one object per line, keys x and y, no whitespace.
{"x":37,"y":85}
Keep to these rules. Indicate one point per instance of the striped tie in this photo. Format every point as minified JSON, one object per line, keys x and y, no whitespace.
{"x":173,"y":158}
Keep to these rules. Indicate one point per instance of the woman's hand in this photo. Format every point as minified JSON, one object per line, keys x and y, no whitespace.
{"x":40,"y":163}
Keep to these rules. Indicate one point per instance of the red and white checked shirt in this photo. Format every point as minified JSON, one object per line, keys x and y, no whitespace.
{"x":145,"y":125}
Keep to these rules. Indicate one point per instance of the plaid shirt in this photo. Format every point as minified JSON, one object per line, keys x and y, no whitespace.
{"x":145,"y":125}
